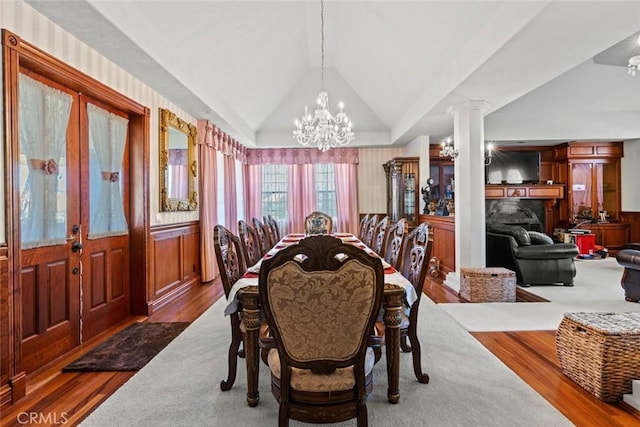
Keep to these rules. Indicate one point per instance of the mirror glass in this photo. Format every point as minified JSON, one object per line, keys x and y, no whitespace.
{"x":178,"y":168}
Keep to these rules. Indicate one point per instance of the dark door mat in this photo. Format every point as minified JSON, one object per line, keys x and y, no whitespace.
{"x":129,"y":349}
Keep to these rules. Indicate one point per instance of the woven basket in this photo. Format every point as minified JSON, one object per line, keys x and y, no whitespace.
{"x":492,"y":284}
{"x":600,"y":352}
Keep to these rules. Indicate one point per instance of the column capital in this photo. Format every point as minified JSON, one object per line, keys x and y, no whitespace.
{"x":469,"y":105}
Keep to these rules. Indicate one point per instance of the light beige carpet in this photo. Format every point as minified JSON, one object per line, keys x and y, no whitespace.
{"x":469,"y":386}
{"x":596,"y":288}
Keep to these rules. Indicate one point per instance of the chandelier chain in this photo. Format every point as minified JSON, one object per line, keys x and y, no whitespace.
{"x":322,"y":41}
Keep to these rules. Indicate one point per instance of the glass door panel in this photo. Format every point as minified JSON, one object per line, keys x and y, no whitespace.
{"x":607,"y":191}
{"x":581,"y":189}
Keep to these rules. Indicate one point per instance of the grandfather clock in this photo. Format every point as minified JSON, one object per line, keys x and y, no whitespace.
{"x":403,"y":195}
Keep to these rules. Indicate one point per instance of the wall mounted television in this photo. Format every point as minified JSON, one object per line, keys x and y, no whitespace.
{"x":513,"y":167}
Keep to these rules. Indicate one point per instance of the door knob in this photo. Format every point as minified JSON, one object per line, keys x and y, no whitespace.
{"x":76,"y":246}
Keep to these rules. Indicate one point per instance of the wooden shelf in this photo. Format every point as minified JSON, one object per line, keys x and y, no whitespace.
{"x":524,"y":191}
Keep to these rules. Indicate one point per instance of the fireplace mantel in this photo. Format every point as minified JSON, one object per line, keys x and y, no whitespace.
{"x":524,"y":191}
{"x":548,"y":193}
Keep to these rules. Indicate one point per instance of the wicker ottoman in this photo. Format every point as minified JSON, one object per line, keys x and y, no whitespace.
{"x":600,"y":352}
{"x":491,"y":284}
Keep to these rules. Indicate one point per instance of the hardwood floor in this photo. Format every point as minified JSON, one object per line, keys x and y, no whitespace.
{"x":61,"y":398}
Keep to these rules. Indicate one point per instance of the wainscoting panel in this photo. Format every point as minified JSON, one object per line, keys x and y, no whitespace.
{"x":175,"y":256}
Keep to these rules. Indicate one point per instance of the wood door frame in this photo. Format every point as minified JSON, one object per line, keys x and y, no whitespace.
{"x":19,"y":53}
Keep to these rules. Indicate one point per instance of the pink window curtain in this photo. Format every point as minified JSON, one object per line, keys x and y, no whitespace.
{"x":208,"y":196}
{"x":230,"y":208}
{"x":253,"y":191}
{"x":346,"y":176}
{"x":302,"y":195}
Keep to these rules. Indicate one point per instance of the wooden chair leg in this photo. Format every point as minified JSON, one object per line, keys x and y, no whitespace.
{"x":404,"y":345}
{"x":236,"y":339}
{"x":363,"y":420}
{"x":416,"y":353}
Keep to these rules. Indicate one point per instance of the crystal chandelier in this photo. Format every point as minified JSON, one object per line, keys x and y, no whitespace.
{"x":634,"y":63}
{"x":323,"y":128}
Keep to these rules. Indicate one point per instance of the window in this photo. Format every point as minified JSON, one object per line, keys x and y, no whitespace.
{"x":274,"y":193}
{"x":326,"y":190}
{"x":275,"y":197}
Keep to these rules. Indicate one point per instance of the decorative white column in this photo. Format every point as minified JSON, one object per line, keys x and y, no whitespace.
{"x":468,"y":135}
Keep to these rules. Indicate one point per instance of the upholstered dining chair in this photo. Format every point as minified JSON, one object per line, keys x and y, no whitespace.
{"x":370,"y":230}
{"x":272,"y":235}
{"x":263,"y":237}
{"x":249,"y":243}
{"x":362,"y":231}
{"x":231,"y":265}
{"x":416,"y":253}
{"x":321,"y":372}
{"x":318,"y":223}
{"x":395,"y":239}
{"x":380,"y":236}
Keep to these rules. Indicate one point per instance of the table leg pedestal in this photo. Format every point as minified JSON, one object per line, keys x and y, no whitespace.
{"x":252,"y":322}
{"x":392,"y":319}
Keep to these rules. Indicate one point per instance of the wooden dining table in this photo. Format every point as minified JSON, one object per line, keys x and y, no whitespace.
{"x":398,"y":294}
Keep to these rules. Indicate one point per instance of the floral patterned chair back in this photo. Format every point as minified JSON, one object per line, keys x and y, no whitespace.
{"x":370,"y":230}
{"x":321,"y":367}
{"x":395,"y":239}
{"x":249,"y":243}
{"x":380,"y":236}
{"x":318,"y":223}
{"x":263,"y":237}
{"x":363,"y":227}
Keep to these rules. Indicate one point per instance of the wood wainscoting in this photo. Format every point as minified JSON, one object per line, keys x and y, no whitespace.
{"x":175,"y":259}
{"x":444,"y":242}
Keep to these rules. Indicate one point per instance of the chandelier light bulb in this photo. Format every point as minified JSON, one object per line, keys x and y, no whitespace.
{"x":447,"y":149}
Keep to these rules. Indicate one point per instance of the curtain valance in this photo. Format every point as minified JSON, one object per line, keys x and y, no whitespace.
{"x":211,"y":135}
{"x":300,"y":156}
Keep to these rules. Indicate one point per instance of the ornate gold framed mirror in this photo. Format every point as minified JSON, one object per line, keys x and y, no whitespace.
{"x":178,"y":165}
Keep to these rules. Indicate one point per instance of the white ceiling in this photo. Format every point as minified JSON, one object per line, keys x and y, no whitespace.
{"x":545,"y":68}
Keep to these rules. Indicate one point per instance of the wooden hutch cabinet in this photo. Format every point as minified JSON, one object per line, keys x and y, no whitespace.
{"x":441,"y":171}
{"x":403,"y":195}
{"x":592,"y":173}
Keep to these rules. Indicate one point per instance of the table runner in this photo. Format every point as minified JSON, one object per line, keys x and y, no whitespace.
{"x":250,"y":278}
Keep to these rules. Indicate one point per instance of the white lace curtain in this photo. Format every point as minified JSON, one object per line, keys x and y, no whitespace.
{"x":107,"y":140}
{"x":44,"y":117}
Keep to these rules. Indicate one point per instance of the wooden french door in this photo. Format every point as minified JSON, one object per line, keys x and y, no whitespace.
{"x":105,"y":281}
{"x":71,"y":290}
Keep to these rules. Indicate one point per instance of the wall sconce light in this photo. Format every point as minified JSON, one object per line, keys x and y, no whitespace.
{"x":488,"y":153}
{"x":447,"y":150}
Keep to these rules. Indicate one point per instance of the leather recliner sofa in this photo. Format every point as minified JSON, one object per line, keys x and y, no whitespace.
{"x":534,"y":257}
{"x":630,"y":260}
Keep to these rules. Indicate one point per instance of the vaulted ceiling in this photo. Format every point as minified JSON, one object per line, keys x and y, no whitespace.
{"x":550,"y":70}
